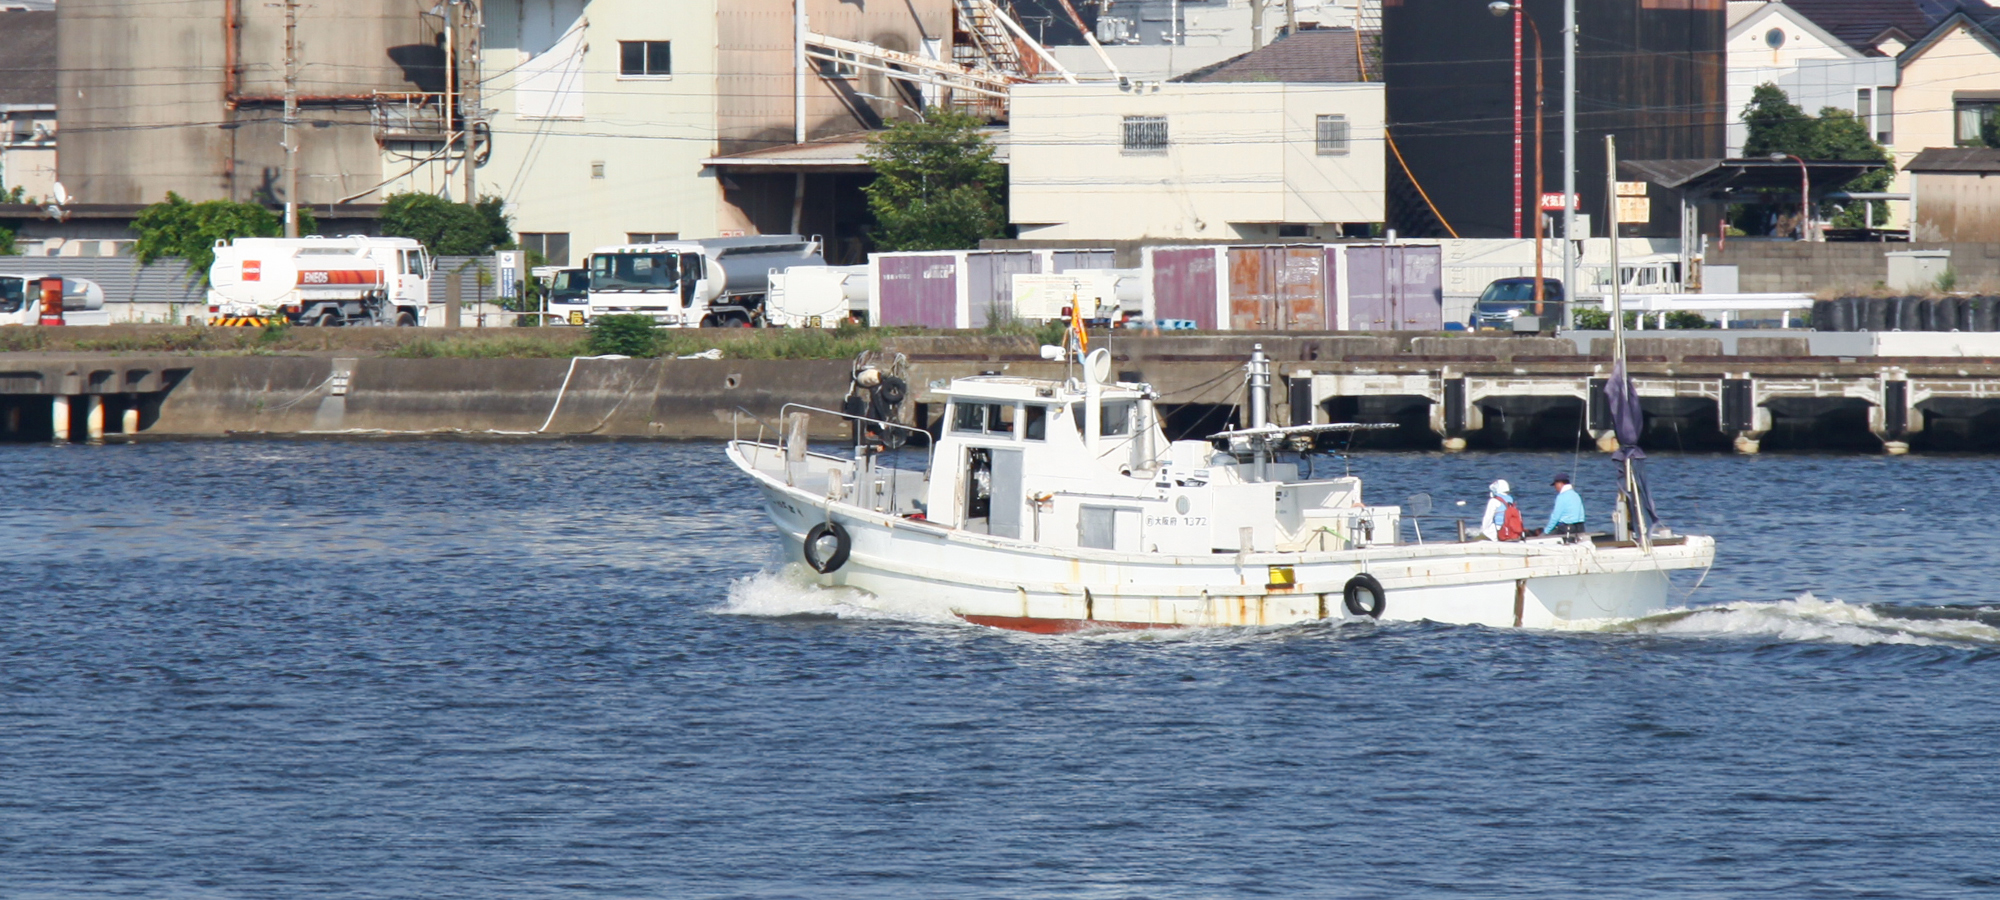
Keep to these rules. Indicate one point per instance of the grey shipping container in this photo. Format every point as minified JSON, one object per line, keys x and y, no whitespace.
{"x":1394,"y":287}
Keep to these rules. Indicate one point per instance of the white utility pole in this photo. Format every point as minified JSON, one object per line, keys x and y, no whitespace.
{"x":1569,"y":167}
{"x":798,"y":71}
{"x":450,"y":94}
{"x":475,"y":47}
{"x":291,"y":119}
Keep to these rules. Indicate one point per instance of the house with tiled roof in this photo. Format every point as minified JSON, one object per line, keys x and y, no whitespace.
{"x":1282,"y":142}
{"x":1919,"y":73}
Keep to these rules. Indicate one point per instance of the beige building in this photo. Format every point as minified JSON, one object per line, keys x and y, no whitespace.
{"x":27,"y":103}
{"x":607,"y":113}
{"x":1283,"y":142}
{"x":1950,"y":88}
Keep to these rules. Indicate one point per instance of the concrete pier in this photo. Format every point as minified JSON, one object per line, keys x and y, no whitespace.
{"x":1451,"y":392}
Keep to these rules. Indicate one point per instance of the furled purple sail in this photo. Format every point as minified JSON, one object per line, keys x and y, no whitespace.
{"x":1621,"y":400}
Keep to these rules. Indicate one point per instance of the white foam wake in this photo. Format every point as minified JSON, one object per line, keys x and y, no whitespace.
{"x":789,"y":591}
{"x":1807,"y":618}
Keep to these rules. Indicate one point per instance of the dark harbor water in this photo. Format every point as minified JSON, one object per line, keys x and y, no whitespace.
{"x":443,"y":670}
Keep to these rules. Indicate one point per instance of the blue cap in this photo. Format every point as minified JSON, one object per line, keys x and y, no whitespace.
{"x":1561,"y":478}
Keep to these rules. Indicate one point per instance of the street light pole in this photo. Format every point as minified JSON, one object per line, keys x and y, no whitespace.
{"x":1501,"y":8}
{"x":1569,"y":164}
{"x":1805,"y":196}
{"x":1520,"y":208}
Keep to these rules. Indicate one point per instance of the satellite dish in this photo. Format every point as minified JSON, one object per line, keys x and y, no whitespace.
{"x":55,"y":210}
{"x":1098,"y":364}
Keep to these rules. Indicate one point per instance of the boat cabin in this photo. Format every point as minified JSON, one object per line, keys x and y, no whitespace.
{"x":1087,"y":465}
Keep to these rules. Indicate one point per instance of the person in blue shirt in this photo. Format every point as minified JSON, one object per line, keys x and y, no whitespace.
{"x":1567,"y":516}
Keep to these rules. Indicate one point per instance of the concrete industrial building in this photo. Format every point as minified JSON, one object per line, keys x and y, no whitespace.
{"x":1281,"y":143}
{"x":618,"y":120}
{"x":27,"y":102}
{"x":188,"y":96}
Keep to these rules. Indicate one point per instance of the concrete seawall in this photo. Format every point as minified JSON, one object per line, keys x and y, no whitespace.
{"x":598,"y":397}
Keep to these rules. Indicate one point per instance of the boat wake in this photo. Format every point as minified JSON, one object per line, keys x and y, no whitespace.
{"x":787,"y":593}
{"x":1808,"y":619}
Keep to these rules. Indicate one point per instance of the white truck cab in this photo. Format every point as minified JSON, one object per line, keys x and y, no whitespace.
{"x":21,"y":300}
{"x":718,"y":282}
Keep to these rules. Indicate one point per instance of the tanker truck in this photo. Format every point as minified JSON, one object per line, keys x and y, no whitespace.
{"x":32,"y":299}
{"x":351,"y":280}
{"x":718,"y":282}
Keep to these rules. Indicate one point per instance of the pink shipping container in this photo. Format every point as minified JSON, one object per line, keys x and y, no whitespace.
{"x":960,"y":288}
{"x":1298,"y":287}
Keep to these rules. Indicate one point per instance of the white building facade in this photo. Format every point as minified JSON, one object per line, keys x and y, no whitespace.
{"x":1200,"y":161}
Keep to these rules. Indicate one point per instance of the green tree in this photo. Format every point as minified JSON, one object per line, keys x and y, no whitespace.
{"x":634,"y":336}
{"x":175,"y":227}
{"x":447,"y":228}
{"x":1779,"y":126}
{"x":7,"y":247}
{"x":937,"y":186}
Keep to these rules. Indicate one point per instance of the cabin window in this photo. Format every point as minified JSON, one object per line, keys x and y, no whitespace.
{"x":969,"y":417}
{"x":1036,"y":417}
{"x":983,"y":418}
{"x":1097,"y":528}
{"x":1115,"y":420}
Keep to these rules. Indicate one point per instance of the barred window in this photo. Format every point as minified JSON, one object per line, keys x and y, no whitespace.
{"x":1331,"y":139}
{"x":1145,"y":134}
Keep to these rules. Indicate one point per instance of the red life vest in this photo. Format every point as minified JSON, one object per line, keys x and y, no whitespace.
{"x":1510,"y":526}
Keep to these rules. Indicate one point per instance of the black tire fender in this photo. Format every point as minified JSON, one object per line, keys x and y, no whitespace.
{"x":1378,"y":599}
{"x":841,"y":544}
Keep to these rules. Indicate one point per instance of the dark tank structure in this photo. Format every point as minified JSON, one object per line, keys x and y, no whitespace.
{"x":1650,"y":72}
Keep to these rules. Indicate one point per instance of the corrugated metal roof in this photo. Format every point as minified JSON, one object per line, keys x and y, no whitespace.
{"x":1955,"y":159}
{"x":1318,"y":56}
{"x":28,"y":58}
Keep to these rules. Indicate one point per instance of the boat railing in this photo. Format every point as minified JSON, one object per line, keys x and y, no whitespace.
{"x":787,"y":408}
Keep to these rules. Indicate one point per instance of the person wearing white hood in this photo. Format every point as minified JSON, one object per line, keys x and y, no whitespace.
{"x":1493,"y":524}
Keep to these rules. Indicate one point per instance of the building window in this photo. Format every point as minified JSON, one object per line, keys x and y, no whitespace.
{"x":1145,"y":134}
{"x":1885,"y":115}
{"x":651,"y":237}
{"x":1976,"y":125}
{"x":552,"y":245}
{"x":1295,"y":231}
{"x":1331,"y":139}
{"x":645,"y":59}
{"x":1774,"y":38}
{"x":597,"y":168}
{"x":840,"y":66}
{"x":1864,"y":107}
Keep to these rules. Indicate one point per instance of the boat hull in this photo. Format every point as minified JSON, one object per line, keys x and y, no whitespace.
{"x":914,"y":566}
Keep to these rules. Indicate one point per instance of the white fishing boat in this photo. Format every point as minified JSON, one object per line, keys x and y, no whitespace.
{"x":1053,"y":506}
